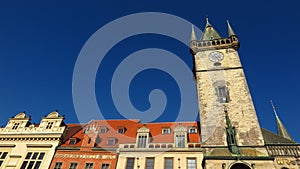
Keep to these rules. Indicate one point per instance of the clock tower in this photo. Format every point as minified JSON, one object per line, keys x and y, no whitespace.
{"x":229,"y":125}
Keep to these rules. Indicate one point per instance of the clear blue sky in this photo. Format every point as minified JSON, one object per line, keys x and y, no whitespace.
{"x":41,"y":40}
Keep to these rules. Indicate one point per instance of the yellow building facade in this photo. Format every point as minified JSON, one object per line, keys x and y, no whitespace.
{"x":24,"y":145}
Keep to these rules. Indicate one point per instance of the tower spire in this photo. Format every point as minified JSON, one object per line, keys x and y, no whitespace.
{"x":281,"y":130}
{"x":209,"y":32}
{"x":230,"y":30}
{"x":193,"y":34}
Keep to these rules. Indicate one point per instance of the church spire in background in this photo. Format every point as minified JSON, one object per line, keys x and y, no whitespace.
{"x":193,"y":34}
{"x":209,"y":32}
{"x":281,"y":130}
{"x":230,"y":30}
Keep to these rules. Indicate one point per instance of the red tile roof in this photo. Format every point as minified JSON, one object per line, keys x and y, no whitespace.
{"x":92,"y":130}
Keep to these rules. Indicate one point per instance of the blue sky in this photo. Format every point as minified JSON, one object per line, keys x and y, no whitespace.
{"x":40,"y":43}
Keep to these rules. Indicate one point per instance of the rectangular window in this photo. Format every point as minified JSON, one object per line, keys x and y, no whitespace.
{"x":180,"y":141}
{"x":130,"y":163}
{"x":102,"y":129}
{"x":192,"y":130}
{"x":149,"y":163}
{"x":121,"y":130}
{"x":2,"y":157}
{"x":73,"y":166}
{"x":166,"y":131}
{"x":58,"y":165}
{"x":142,"y":140}
{"x":33,"y":160}
{"x":168,"y":163}
{"x":15,"y":126}
{"x":222,"y":94}
{"x":191,"y":163}
{"x":72,"y":141}
{"x":105,"y":166}
{"x":111,"y":141}
{"x":49,"y":125}
{"x":89,"y":166}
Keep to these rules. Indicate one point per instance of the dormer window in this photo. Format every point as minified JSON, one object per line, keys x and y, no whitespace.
{"x":15,"y":126}
{"x":49,"y":125}
{"x":111,"y":141}
{"x":166,"y":130}
{"x":72,"y":141}
{"x":142,"y":141}
{"x":142,"y":137}
{"x":192,"y":130}
{"x":121,"y":130}
{"x":180,"y":141}
{"x":103,"y":129}
{"x":180,"y":136}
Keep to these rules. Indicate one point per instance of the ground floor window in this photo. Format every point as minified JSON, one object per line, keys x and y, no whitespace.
{"x":130,"y":163}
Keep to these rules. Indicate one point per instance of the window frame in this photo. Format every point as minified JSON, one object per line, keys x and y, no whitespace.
{"x":142,"y":141}
{"x":166,"y":130}
{"x":103,"y":129}
{"x":187,"y":162}
{"x":105,"y":165}
{"x":180,"y":140}
{"x":193,"y":128}
{"x":111,"y":140}
{"x":165,"y":164}
{"x":15,"y":126}
{"x":72,"y":141}
{"x":58,"y":167}
{"x":34,"y":158}
{"x":121,"y":130}
{"x":127,"y":160}
{"x":147,"y":164}
{"x":89,"y":167}
{"x":3,"y":156}
{"x":49,"y":125}
{"x":223,"y":94}
{"x":73,"y":167}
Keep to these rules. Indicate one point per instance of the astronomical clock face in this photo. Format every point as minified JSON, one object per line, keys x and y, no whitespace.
{"x":216,"y":56}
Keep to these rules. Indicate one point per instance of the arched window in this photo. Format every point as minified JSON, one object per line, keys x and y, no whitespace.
{"x":239,"y":166}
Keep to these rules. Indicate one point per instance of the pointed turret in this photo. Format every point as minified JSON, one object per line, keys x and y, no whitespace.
{"x":209,"y":32}
{"x":281,"y":130}
{"x":230,"y":30}
{"x":193,"y":34}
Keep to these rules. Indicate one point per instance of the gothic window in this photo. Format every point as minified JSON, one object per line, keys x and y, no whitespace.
{"x":149,"y":163}
{"x":142,"y":140}
{"x":33,"y":160}
{"x":222,"y":93}
{"x":89,"y":166}
{"x":2,"y":157}
{"x":166,"y":131}
{"x":58,"y":165}
{"x":180,"y":140}
{"x":105,"y":166}
{"x":49,"y":125}
{"x":191,"y":163}
{"x":130,"y":163}
{"x":73,"y":166}
{"x":168,"y":163}
{"x":15,"y":126}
